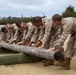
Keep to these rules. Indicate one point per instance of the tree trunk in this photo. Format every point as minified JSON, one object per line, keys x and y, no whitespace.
{"x":30,"y":50}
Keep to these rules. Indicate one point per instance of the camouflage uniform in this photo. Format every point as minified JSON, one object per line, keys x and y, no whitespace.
{"x":17,"y":34}
{"x":4,"y":37}
{"x":55,"y":34}
{"x":30,"y":33}
{"x":39,"y":33}
{"x":52,"y":33}
{"x":43,"y":32}
{"x":70,"y":28}
{"x":47,"y":24}
{"x":8,"y":35}
{"x":49,"y":32}
{"x":24,"y":34}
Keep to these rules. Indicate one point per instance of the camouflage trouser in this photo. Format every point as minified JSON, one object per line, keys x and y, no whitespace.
{"x":70,"y":50}
{"x":47,"y":45}
{"x":52,"y":40}
{"x":19,"y":39}
{"x":19,"y":36}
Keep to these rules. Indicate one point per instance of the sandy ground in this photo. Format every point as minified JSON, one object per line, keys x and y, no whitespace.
{"x":37,"y":69}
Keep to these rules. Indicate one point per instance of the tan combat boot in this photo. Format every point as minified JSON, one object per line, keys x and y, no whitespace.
{"x":65,"y":64}
{"x":48,"y":62}
{"x":60,"y":62}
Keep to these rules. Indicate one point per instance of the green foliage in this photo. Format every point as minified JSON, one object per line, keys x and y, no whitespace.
{"x":69,"y":12}
{"x":13,"y":20}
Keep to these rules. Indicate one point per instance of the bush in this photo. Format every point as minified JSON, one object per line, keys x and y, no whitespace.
{"x":13,"y":20}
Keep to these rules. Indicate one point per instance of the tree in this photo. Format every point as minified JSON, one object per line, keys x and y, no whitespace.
{"x":9,"y":17}
{"x":69,"y":12}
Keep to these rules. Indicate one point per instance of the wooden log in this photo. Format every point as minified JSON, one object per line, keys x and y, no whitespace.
{"x":29,"y":50}
{"x":8,"y":59}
